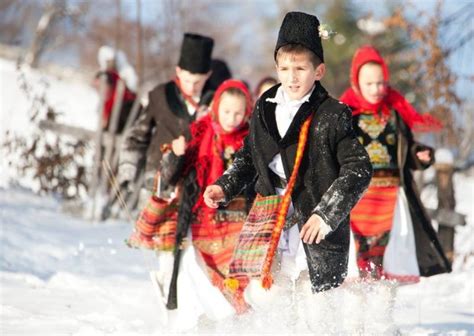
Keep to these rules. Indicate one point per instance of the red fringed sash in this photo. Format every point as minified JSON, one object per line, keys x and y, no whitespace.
{"x":258,"y":241}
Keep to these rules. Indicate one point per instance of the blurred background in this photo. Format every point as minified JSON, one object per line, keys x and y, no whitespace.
{"x":60,"y":235}
{"x":428,"y":45}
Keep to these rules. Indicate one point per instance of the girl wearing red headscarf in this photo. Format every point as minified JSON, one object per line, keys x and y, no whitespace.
{"x":393,"y":235}
{"x":206,"y":237}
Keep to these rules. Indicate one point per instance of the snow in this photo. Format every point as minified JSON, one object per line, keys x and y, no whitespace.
{"x":444,"y":155}
{"x":61,"y":275}
{"x":75,"y":101}
{"x":125,"y":70}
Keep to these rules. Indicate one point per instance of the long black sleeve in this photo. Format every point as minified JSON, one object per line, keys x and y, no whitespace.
{"x":354,"y":175}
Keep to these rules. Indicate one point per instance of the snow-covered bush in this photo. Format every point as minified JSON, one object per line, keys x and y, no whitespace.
{"x":49,"y":162}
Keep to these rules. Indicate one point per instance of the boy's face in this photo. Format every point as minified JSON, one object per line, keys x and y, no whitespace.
{"x":191,"y":83}
{"x":297,"y":74}
{"x":231,"y":111}
{"x":371,"y":83}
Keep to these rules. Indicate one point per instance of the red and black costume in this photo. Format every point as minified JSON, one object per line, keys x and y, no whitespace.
{"x":385,"y":130}
{"x":208,"y":154}
{"x":112,"y":79}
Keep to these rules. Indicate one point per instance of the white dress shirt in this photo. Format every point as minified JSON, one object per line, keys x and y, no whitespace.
{"x":190,"y":107}
{"x":290,"y":245}
{"x":285,"y":111}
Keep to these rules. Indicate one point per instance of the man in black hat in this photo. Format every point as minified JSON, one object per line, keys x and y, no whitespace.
{"x":335,"y":168}
{"x":172,"y":107}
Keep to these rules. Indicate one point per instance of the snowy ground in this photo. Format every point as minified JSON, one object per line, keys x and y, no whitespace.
{"x":65,"y":276}
{"x":61,"y":275}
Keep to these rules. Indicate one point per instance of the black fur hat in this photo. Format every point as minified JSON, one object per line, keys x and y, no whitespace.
{"x":300,"y":28}
{"x":196,"y":53}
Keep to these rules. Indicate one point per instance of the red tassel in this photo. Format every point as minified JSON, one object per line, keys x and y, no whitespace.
{"x":284,"y":205}
{"x":232,"y":284}
{"x":267,"y":281}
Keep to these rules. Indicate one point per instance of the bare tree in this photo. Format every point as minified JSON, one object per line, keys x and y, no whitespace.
{"x":139,"y":59}
{"x":432,"y":78}
{"x":46,"y":34}
{"x":13,"y":15}
{"x":118,"y":25}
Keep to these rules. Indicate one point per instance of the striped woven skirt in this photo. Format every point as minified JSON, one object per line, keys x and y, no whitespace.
{"x":371,"y":222}
{"x":215,"y":239}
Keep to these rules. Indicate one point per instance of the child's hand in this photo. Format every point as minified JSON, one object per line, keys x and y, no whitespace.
{"x":213,"y":195}
{"x":314,"y":229}
{"x":179,"y":146}
{"x":424,"y":156}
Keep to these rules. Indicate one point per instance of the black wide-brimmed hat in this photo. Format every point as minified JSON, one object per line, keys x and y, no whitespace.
{"x":300,"y":28}
{"x":196,"y":52}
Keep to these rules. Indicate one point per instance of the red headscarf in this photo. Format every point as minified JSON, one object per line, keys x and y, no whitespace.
{"x":206,"y":149}
{"x":392,"y":100}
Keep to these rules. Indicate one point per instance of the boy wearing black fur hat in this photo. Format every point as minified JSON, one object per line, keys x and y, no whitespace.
{"x":171,"y":108}
{"x":334,"y":169}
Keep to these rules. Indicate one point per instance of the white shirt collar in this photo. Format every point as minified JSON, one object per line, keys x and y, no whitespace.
{"x":281,"y":98}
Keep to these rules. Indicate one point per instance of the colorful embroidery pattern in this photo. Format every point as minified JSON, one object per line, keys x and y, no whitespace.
{"x":378,"y":136}
{"x":372,"y":126}
{"x":378,"y":154}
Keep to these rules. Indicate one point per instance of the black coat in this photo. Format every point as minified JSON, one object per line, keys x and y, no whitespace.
{"x":335,"y":171}
{"x":164,"y":119}
{"x":430,"y":254}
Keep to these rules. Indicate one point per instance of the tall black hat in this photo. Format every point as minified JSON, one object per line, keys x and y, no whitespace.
{"x":220,"y":73}
{"x":196,"y":53}
{"x":300,"y":28}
